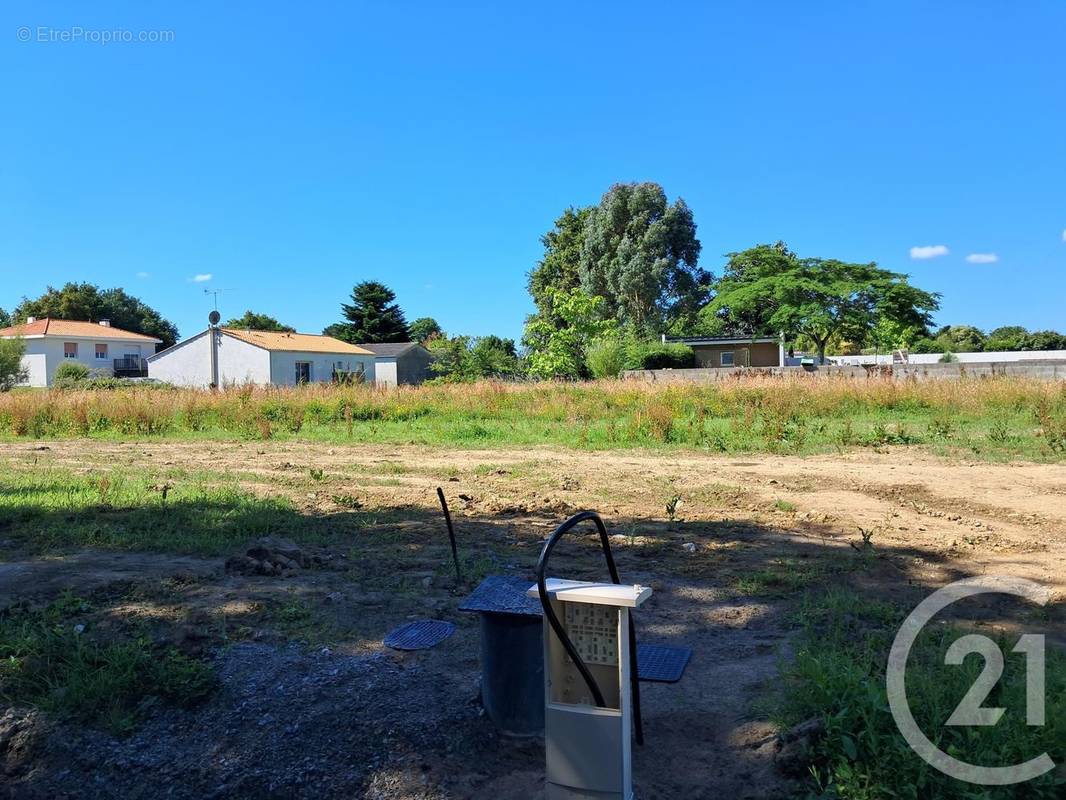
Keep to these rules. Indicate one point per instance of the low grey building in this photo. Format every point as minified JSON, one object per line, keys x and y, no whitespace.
{"x":400,"y":362}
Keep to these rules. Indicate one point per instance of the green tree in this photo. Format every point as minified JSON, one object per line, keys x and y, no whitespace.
{"x":1045,"y":340}
{"x":640,"y":255}
{"x":11,"y":370}
{"x":559,"y":352}
{"x":465,"y":358}
{"x":424,"y":328}
{"x":258,"y":322}
{"x":819,"y":298}
{"x":559,"y":269}
{"x":749,"y":319}
{"x":371,"y":317}
{"x":5,"y":319}
{"x":88,"y":303}
{"x":960,"y":339}
{"x":1006,"y":337}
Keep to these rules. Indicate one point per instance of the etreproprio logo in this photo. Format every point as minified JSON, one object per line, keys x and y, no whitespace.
{"x":970,"y":710}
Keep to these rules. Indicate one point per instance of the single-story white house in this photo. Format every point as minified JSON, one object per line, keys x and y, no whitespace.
{"x":226,"y":356}
{"x":99,"y":346}
{"x":400,"y":362}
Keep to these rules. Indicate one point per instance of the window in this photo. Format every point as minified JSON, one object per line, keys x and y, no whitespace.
{"x":101,"y":351}
{"x":303,"y":371}
{"x":70,"y":349}
{"x":727,"y":358}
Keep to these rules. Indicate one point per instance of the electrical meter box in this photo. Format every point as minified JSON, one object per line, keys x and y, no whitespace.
{"x":587,"y":746}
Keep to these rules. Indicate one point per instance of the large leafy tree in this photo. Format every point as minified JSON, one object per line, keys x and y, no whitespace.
{"x":820,"y":298}
{"x":5,"y":319}
{"x":640,"y":254}
{"x":86,"y":302}
{"x":258,"y":322}
{"x":559,"y":269}
{"x":371,"y":317}
{"x":559,"y":351}
{"x":424,"y":328}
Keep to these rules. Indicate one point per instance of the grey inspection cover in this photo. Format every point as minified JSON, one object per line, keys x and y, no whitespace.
{"x":503,"y":594}
{"x":419,"y":635}
{"x":658,"y":662}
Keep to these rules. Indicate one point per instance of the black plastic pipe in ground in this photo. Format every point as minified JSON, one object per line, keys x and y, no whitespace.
{"x":451,"y":534}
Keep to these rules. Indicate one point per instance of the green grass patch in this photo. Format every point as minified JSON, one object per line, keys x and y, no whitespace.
{"x":50,"y":660}
{"x":838,"y":676}
{"x":52,"y":509}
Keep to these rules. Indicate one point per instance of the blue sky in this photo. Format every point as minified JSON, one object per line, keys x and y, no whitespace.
{"x":292,"y":150}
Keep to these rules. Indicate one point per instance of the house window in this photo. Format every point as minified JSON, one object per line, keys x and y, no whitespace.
{"x":727,"y":358}
{"x":70,"y":349}
{"x":101,"y":351}
{"x":303,"y":371}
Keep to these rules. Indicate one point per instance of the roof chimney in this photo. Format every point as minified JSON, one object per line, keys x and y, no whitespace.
{"x":106,"y":323}
{"x":30,"y":320}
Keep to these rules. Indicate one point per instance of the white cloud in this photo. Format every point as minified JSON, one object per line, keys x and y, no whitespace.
{"x":203,"y":277}
{"x":982,"y":258}
{"x":929,"y":251}
{"x":142,"y":274}
{"x":1064,"y":234}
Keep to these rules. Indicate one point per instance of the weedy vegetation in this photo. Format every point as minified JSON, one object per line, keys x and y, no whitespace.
{"x":995,"y":418}
{"x":838,"y":677}
{"x":52,"y":660}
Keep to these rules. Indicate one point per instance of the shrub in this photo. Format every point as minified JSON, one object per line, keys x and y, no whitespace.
{"x":948,"y":358}
{"x":69,"y":374}
{"x":606,"y":358}
{"x":656,"y":355}
{"x":11,"y":370}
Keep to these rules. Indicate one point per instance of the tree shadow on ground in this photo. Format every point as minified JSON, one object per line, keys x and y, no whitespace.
{"x":311,"y":705}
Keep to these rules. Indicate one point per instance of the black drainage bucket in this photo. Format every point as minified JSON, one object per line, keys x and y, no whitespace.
{"x":512,"y":654}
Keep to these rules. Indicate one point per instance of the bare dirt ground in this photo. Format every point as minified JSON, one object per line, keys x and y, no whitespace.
{"x":311,"y":704}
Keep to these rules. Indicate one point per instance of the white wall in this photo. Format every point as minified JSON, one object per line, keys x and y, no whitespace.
{"x":45,"y":354}
{"x":36,"y":368}
{"x":962,"y":358}
{"x":283,"y":366}
{"x":385,"y":371}
{"x":240,"y":363}
{"x":189,"y":363}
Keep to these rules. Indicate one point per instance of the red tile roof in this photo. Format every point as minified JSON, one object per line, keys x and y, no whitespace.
{"x":67,"y":327}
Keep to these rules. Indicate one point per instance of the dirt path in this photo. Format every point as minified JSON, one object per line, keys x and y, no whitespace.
{"x":307,"y":722}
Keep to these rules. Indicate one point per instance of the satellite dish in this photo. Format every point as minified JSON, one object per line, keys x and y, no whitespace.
{"x":214,"y":317}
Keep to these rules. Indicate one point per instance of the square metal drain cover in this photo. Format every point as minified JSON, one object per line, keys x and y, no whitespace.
{"x":659,"y":662}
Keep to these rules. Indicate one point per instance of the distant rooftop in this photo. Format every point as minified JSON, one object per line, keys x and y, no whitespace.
{"x":697,"y":340}
{"x":299,"y":342}
{"x":389,"y":349}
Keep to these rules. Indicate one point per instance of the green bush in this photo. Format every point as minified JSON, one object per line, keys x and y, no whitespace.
{"x":606,"y":358}
{"x":659,"y":355}
{"x":69,"y":374}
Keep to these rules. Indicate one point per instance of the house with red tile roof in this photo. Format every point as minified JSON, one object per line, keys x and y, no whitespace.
{"x":103,"y":348}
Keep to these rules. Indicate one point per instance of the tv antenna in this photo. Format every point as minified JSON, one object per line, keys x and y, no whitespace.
{"x":215,"y":293}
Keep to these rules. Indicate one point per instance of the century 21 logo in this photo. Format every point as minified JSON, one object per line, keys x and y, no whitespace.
{"x":971,"y":711}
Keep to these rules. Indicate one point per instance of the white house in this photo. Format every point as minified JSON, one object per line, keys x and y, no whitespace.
{"x":97,"y":345}
{"x":260,"y":357}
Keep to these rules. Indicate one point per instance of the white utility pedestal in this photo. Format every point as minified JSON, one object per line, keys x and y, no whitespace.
{"x":588,"y":748}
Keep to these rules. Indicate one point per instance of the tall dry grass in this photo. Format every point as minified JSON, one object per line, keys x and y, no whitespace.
{"x":786,"y":411}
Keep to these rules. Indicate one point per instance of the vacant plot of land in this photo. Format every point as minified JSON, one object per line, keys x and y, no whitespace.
{"x":109,"y":550}
{"x":990,"y":419}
